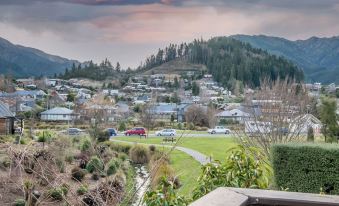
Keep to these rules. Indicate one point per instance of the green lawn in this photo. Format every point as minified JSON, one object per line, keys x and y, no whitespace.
{"x":187,"y":175}
{"x":210,"y":146}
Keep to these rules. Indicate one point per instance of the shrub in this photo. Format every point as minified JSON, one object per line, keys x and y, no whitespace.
{"x":95,"y":176}
{"x":78,"y":174}
{"x":103,"y":136}
{"x":113,"y":166}
{"x":61,"y":165}
{"x":58,"y":193}
{"x":190,"y":126}
{"x":152,"y":148}
{"x":180,"y":126}
{"x":122,"y":156}
{"x":306,"y":167}
{"x":122,"y":126}
{"x":95,"y":164}
{"x":19,"y":202}
{"x":139,"y":154}
{"x":86,"y":145}
{"x":120,"y":147}
{"x":240,"y":169}
{"x":164,"y":171}
{"x":83,"y":189}
{"x":310,"y":134}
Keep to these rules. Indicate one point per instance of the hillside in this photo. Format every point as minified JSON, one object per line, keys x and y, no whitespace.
{"x":21,"y":61}
{"x":176,"y":66}
{"x":318,"y":57}
{"x":227,"y":59}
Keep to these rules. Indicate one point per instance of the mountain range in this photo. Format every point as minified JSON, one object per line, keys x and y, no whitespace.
{"x":318,"y":57}
{"x":21,"y":61}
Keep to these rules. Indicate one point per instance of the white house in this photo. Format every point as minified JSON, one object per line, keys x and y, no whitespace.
{"x":58,"y":114}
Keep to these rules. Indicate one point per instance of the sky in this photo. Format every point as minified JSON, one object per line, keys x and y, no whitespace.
{"x":130,"y":30}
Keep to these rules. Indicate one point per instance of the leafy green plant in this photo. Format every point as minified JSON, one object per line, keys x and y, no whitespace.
{"x":83,"y":189}
{"x":165,"y":194}
{"x":19,"y":202}
{"x":113,"y":166}
{"x":58,"y":193}
{"x":85,"y":145}
{"x":241,"y":169}
{"x":95,"y":164}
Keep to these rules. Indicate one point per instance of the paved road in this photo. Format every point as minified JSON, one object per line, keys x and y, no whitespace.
{"x":201,"y":158}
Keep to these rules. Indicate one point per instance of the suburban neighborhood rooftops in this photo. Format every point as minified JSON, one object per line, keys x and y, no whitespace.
{"x":58,"y":110}
{"x":4,"y":111}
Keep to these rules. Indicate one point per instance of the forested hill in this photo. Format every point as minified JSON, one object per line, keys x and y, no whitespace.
{"x":22,"y":61}
{"x":228,"y":60}
{"x":318,"y":57}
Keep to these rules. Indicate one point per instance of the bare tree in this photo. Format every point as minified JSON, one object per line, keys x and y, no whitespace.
{"x":196,"y":114}
{"x":147,"y":116}
{"x":211,"y":116}
{"x":277,"y":112}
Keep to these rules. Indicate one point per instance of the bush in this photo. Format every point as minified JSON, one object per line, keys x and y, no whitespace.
{"x":119,"y":147}
{"x":95,"y":164}
{"x":78,"y":174}
{"x":122,"y":126}
{"x":122,"y":156}
{"x":103,"y":136}
{"x":190,"y":126}
{"x":139,"y":154}
{"x":113,"y":166}
{"x":152,"y":148}
{"x":19,"y":202}
{"x":306,"y":167}
{"x":58,"y":193}
{"x":85,"y":145}
{"x":83,"y":189}
{"x":180,"y":126}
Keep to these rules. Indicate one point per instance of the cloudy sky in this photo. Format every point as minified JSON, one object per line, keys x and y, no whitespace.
{"x":129,"y":30}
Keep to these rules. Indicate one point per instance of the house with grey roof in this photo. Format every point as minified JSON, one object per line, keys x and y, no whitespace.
{"x":58,"y":114}
{"x":6,"y":120}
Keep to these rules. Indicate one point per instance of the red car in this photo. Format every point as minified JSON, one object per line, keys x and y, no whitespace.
{"x":136,"y":131}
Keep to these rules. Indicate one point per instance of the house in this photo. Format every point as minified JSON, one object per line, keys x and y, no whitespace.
{"x":6,"y":120}
{"x":58,"y":114}
{"x":306,"y":121}
{"x":233,"y":115}
{"x":55,"y":100}
{"x":164,"y":111}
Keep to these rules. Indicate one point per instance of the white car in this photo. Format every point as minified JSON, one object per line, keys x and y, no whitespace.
{"x":166,"y":132}
{"x":219,"y":130}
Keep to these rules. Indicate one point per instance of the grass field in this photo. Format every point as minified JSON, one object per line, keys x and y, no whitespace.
{"x":187,"y":175}
{"x":210,"y":146}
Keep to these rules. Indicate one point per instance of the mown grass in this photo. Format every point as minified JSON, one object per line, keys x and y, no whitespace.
{"x":187,"y":169}
{"x":215,"y":147}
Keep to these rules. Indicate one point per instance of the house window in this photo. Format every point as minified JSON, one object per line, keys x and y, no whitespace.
{"x":64,"y":116}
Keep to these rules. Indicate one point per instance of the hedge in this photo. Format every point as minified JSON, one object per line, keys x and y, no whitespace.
{"x":309,"y":167}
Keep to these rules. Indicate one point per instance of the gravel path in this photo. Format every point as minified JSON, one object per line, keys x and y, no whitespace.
{"x":201,"y":158}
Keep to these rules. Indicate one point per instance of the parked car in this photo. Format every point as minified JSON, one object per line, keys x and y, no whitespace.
{"x":112,"y":132}
{"x":136,"y":131}
{"x":166,"y":132}
{"x":219,"y":130}
{"x":74,"y":131}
